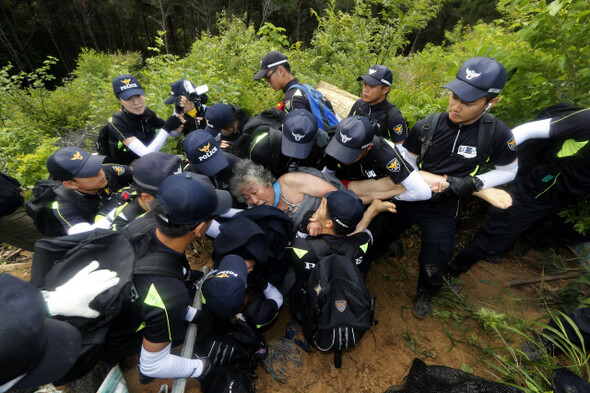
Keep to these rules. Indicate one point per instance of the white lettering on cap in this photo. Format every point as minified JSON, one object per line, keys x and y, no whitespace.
{"x":471,"y":74}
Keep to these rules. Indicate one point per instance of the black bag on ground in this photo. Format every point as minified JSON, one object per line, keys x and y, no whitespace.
{"x":341,"y":307}
{"x":233,"y":379}
{"x":441,"y":379}
{"x":40,"y":207}
{"x":57,"y":260}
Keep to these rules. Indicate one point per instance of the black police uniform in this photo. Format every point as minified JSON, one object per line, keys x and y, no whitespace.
{"x":126,"y":125}
{"x":393,"y":128}
{"x":155,"y":311}
{"x":560,"y":176}
{"x":127,"y":213}
{"x":295,"y":98}
{"x":438,"y":218}
{"x":381,"y":161}
{"x":72,"y":207}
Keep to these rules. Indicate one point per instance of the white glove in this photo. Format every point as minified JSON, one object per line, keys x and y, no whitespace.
{"x":73,"y":298}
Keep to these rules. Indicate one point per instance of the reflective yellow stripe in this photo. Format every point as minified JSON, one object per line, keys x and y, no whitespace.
{"x":141,"y":326}
{"x":298,"y":251}
{"x":153,"y":299}
{"x":570,"y":147}
{"x":364,"y":247}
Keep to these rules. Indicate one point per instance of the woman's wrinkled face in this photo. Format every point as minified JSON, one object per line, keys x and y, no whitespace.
{"x":256,"y":195}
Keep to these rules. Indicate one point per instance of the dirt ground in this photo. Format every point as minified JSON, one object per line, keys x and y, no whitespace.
{"x":450,"y":336}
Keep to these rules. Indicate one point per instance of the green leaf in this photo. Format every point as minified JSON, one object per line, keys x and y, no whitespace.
{"x":466,"y":368}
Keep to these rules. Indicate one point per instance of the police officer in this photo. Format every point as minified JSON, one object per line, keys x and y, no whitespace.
{"x":560,"y":175}
{"x":149,"y":172}
{"x":154,"y":318}
{"x":189,"y":102}
{"x":132,"y":130}
{"x":453,"y":151}
{"x":358,"y":154}
{"x":387,"y":118}
{"x":83,"y":199}
{"x":275,"y":69}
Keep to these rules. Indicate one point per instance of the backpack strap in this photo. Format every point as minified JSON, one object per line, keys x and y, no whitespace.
{"x":487,"y":126}
{"x":321,"y":248}
{"x":426,"y":133}
{"x":159,"y":263}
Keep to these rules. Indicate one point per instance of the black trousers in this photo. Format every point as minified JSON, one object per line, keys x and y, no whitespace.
{"x":438,"y":229}
{"x":502,"y":229}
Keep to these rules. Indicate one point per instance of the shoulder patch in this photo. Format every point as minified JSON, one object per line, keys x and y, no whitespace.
{"x":288,"y":105}
{"x":393,"y":165}
{"x":512,"y":144}
{"x":119,"y":169}
{"x":398,"y":129}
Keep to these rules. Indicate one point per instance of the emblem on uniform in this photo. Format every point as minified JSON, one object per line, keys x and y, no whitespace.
{"x":297,"y":137}
{"x":345,"y":138}
{"x":340,"y":305}
{"x":398,"y":129}
{"x":467,"y":151}
{"x":119,"y":169}
{"x":470,"y":74}
{"x":512,"y":144}
{"x":288,"y":105}
{"x":77,"y":156}
{"x":393,"y":165}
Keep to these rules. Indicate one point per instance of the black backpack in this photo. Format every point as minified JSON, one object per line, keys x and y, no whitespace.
{"x":341,"y":307}
{"x":485,"y":134}
{"x":40,"y":207}
{"x":57,"y":260}
{"x":232,"y":379}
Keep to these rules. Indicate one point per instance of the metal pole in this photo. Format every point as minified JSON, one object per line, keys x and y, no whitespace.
{"x":189,"y":340}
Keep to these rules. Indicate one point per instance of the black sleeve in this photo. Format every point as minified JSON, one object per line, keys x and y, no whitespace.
{"x":397,"y":128}
{"x":10,"y":197}
{"x":574,"y":126}
{"x":504,"y":148}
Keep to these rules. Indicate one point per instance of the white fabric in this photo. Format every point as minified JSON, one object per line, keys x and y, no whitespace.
{"x":162,"y":364}
{"x":103,"y":223}
{"x":271,"y":292}
{"x":409,"y":157}
{"x":535,"y":129}
{"x":141,"y":150}
{"x":499,"y":175}
{"x":416,"y":189}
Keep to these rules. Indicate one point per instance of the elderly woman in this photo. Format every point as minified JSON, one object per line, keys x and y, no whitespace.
{"x":294,"y":193}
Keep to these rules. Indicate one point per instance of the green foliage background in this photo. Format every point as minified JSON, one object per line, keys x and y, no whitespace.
{"x":544,"y":47}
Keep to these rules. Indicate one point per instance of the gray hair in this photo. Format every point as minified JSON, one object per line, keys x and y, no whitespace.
{"x":247,"y":172}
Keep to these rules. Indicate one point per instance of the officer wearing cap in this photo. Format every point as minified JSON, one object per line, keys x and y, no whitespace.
{"x":556,"y":175}
{"x":83,"y":199}
{"x":223,"y":124}
{"x":453,"y":152}
{"x":132,"y":130}
{"x":206,"y":157}
{"x":358,"y":154}
{"x":149,"y":172}
{"x":154,"y":318}
{"x":189,"y":102}
{"x":275,"y":69}
{"x":387,"y":118}
{"x":336,"y":221}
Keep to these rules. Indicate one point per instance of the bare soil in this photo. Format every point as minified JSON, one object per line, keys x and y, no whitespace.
{"x":451,"y":336}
